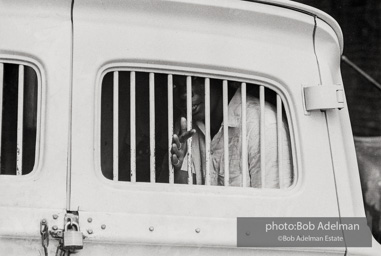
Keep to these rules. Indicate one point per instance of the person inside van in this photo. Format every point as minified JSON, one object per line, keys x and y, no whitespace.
{"x":180,"y":147}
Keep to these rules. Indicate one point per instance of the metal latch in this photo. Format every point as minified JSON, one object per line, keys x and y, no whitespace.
{"x":70,"y":238}
{"x":44,"y":228}
{"x":323,"y":97}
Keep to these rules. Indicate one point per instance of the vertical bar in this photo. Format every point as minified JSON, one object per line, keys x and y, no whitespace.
{"x":279,"y":137}
{"x":207,"y":131}
{"x":116,"y":126}
{"x":20,"y":121}
{"x":1,"y":105}
{"x":152,"y":125}
{"x":244,"y":157}
{"x":170,"y":127}
{"x":262,"y":134}
{"x":226,"y":130}
{"x":133,"y":126}
{"x":189,"y":126}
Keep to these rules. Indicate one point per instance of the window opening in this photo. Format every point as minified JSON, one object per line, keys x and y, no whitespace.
{"x":141,"y":111}
{"x":18,"y":108}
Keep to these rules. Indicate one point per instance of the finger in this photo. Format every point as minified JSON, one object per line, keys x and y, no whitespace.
{"x":176,"y":140}
{"x":183,"y":138}
{"x":183,"y":125}
{"x":175,"y":160}
{"x":175,"y":150}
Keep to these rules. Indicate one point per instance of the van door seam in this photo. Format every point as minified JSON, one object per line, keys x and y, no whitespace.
{"x":314,"y":46}
{"x":329,"y":135}
{"x":69,"y":144}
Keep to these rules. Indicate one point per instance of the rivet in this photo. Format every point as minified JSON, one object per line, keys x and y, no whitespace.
{"x":198,"y":230}
{"x":43,"y":221}
{"x":55,"y":216}
{"x":103,"y":226}
{"x":89,"y":220}
{"x":151,"y":229}
{"x":248,"y":233}
{"x":54,"y":227}
{"x":90,"y":231}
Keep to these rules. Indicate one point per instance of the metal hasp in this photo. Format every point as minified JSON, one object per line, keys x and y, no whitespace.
{"x":323,"y":97}
{"x":44,"y":235}
{"x":72,"y":236}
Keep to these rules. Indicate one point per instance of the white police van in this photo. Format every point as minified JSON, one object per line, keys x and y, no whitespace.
{"x":87,"y":113}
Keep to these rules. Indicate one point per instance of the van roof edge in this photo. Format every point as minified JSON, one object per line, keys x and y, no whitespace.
{"x":308,"y":10}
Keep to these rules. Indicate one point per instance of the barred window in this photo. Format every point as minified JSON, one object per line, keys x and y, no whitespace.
{"x":240,"y":121}
{"x":19,"y":89}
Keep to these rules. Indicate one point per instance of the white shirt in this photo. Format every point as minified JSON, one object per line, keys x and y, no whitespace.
{"x":235,"y":148}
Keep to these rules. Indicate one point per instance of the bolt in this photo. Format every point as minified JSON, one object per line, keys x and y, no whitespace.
{"x":55,"y":216}
{"x":151,"y":229}
{"x":103,"y":226}
{"x":89,"y":231}
{"x":54,"y":227}
{"x":89,"y":220}
{"x":198,"y":230}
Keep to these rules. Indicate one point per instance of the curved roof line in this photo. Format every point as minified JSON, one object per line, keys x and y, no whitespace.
{"x":308,"y":10}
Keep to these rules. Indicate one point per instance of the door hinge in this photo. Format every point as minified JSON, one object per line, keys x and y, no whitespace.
{"x":323,"y":97}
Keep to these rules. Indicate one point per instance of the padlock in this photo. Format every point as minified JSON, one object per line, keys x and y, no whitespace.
{"x":72,"y":238}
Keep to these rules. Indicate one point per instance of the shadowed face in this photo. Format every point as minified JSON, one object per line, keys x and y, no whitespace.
{"x":198,"y":96}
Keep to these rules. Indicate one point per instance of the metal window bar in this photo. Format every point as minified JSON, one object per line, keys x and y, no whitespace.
{"x":207,"y":131}
{"x":246,"y":180}
{"x":152,"y":126}
{"x":244,"y":163}
{"x":189,"y":126}
{"x":116,"y":126}
{"x":133,"y":125}
{"x":262,"y":135}
{"x":1,"y":104}
{"x":20,"y":121}
{"x":170,"y":128}
{"x":279,"y":137}
{"x":226,"y":130}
